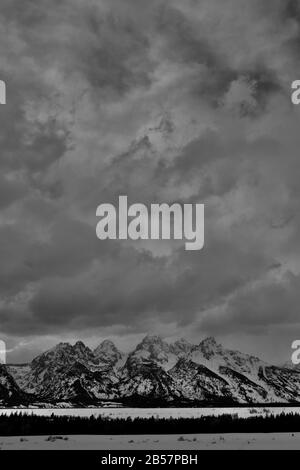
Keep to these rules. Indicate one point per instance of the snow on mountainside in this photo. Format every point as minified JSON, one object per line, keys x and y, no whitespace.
{"x":10,"y":392}
{"x":107,"y":353}
{"x":181,"y":347}
{"x":214,"y":355}
{"x":68,"y":372}
{"x":245,"y":373}
{"x":153,"y":349}
{"x":155,"y":372}
{"x":198,"y":383}
{"x":144,"y":376}
{"x":64,"y":354}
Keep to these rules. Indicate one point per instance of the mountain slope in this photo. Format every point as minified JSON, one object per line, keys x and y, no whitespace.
{"x":154,"y":373}
{"x":10,"y":392}
{"x":108,"y":354}
{"x":68,"y":373}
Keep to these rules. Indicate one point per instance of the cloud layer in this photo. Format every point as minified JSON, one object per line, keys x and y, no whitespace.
{"x":164,"y":101}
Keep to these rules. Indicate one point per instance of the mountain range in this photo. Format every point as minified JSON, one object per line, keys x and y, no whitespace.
{"x":155,"y":373}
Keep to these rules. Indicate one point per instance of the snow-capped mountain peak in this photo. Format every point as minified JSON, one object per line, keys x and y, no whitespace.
{"x":209,"y":347}
{"x":181,"y":347}
{"x":108,"y":353}
{"x":106,"y":346}
{"x":154,"y":372}
{"x":80,"y":346}
{"x":154,"y":349}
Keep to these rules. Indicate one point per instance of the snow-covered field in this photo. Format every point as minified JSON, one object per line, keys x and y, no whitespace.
{"x":156,"y":412}
{"x":249,"y":441}
{"x":156,"y":442}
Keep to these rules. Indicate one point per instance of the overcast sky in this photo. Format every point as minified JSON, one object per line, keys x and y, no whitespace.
{"x":164,"y":101}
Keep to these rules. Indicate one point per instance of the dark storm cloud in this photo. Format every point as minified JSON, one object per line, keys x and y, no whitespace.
{"x":260,"y":305}
{"x":28,"y":146}
{"x":163,"y":101}
{"x":10,"y":191}
{"x":144,"y":287}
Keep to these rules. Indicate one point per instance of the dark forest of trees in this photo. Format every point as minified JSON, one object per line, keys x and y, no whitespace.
{"x":18,"y":424}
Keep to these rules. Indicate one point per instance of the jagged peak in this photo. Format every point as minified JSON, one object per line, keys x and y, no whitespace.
{"x":210,"y":341}
{"x":60,"y":347}
{"x":180,"y":346}
{"x":148,"y":339}
{"x":105,"y":346}
{"x":81,"y":349}
{"x":64,"y":352}
{"x":108,"y":353}
{"x":107,"y":343}
{"x":80,"y":345}
{"x":209,"y":347}
{"x":152,"y":344}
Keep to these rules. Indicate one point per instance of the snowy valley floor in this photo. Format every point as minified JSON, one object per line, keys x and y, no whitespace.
{"x":267,"y":441}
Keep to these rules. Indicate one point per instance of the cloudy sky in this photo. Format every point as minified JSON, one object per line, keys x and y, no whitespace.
{"x":164,"y":101}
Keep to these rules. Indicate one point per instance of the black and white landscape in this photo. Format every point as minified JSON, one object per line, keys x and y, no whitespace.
{"x":149,"y":102}
{"x":164,"y":101}
{"x":155,"y":373}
